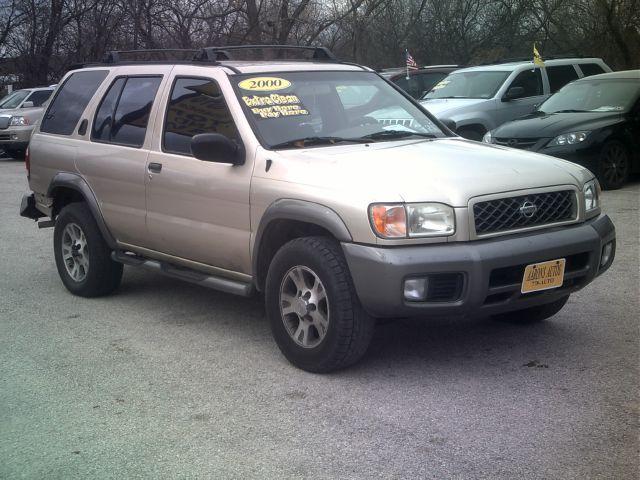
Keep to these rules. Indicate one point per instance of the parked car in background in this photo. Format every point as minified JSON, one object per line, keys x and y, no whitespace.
{"x":19,"y":111}
{"x":479,"y":99}
{"x":419,"y":81}
{"x":593,"y":121}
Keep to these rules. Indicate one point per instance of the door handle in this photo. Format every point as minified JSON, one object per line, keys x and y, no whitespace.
{"x":154,"y":167}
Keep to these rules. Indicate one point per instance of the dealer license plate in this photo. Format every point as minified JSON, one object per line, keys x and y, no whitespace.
{"x":543,"y":276}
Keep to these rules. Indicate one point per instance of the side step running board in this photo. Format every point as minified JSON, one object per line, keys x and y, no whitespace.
{"x":193,"y":276}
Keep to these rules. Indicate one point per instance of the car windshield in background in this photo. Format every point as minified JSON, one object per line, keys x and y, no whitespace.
{"x":299,"y":109}
{"x":612,"y":95}
{"x":13,"y":100}
{"x":475,"y":84}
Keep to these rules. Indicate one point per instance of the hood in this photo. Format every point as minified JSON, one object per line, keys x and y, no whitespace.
{"x":448,"y":170}
{"x":447,"y":106}
{"x":554,"y":124}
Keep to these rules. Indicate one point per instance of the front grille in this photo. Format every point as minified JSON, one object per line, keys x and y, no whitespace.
{"x":524,"y":211}
{"x":517,"y":142}
{"x":5,"y":136}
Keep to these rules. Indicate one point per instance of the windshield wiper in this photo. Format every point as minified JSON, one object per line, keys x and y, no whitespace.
{"x":308,"y":141}
{"x":396,"y":134}
{"x":570,"y":111}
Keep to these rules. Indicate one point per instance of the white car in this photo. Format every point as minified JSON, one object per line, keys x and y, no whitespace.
{"x":479,"y":99}
{"x":19,"y":112}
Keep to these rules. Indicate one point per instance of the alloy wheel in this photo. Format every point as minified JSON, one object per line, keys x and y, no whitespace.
{"x":304,"y":307}
{"x":74,"y":252}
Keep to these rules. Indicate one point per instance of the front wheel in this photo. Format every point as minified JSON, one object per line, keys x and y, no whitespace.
{"x":614,"y":165}
{"x":314,"y":312}
{"x":533,"y":314}
{"x":82,"y":256}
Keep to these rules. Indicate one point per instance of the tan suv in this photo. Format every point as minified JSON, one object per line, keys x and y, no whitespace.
{"x":280,"y":177}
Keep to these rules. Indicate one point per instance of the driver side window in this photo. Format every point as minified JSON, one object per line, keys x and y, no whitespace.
{"x":531,"y":81}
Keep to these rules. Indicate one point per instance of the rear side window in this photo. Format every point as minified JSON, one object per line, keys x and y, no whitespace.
{"x":104,"y":116}
{"x":39,"y":97}
{"x":560,"y":75}
{"x":72,"y":98}
{"x":589,"y":69}
{"x":531,"y":81}
{"x":123,"y":114}
{"x":196,"y":106}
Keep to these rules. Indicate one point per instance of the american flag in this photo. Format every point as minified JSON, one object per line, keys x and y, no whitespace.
{"x":411,"y":63}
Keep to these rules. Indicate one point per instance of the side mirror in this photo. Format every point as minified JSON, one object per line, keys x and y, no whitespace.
{"x":27,"y":105}
{"x":513,"y":93}
{"x":213,"y":147}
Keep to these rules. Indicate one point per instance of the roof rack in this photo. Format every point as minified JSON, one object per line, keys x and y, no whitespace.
{"x":530,"y":59}
{"x":150,"y":55}
{"x":225,"y":53}
{"x":207,"y":55}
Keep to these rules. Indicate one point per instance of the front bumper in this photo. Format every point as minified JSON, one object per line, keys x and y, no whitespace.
{"x":491,"y":270}
{"x":15,"y":137}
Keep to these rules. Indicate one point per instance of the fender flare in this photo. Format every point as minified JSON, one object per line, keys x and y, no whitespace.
{"x":75,"y":182}
{"x":302,"y":211}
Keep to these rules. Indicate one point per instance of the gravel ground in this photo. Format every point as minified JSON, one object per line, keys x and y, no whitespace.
{"x":168,"y":380}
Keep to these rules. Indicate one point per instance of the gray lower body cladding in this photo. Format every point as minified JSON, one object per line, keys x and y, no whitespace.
{"x":490,"y":270}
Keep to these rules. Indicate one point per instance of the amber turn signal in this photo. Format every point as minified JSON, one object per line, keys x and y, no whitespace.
{"x":389,"y":221}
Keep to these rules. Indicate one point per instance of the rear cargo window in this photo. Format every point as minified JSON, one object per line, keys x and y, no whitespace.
{"x":72,"y":98}
{"x":124,"y":111}
{"x":560,"y":75}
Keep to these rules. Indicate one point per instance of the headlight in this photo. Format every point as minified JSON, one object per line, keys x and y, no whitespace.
{"x":591,"y":192}
{"x":18,"y":122}
{"x":487,"y":137}
{"x":412,"y":220}
{"x":569,"y":139}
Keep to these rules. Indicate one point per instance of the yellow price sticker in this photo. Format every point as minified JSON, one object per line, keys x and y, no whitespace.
{"x":264,"y":84}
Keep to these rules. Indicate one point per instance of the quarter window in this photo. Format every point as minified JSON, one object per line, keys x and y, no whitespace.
{"x":589,"y":69}
{"x":196,"y":106}
{"x":531,"y":81}
{"x":72,"y":98}
{"x":124,"y":111}
{"x":560,"y":75}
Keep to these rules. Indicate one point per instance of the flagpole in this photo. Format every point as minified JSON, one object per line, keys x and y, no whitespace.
{"x":406,"y":61}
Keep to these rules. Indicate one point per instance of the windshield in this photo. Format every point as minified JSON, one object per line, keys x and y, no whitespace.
{"x":13,"y":100}
{"x":474,"y":84}
{"x":613,"y":95}
{"x":299,"y":109}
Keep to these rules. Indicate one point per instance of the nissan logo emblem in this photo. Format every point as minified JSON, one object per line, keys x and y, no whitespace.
{"x":528,"y":209}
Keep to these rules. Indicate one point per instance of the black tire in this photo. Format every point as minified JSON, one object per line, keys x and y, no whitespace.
{"x":349,"y":329}
{"x":15,"y":154}
{"x":472,"y":133}
{"x":103,"y":275}
{"x":533,"y":314}
{"x":614,"y":165}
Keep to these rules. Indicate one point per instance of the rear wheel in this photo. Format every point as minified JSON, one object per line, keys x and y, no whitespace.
{"x":314,"y":312}
{"x":533,"y":314}
{"x":614,"y":165}
{"x":82,"y":256}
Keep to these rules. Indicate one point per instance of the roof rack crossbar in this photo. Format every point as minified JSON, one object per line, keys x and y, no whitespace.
{"x":118,"y":56}
{"x":225,"y":53}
